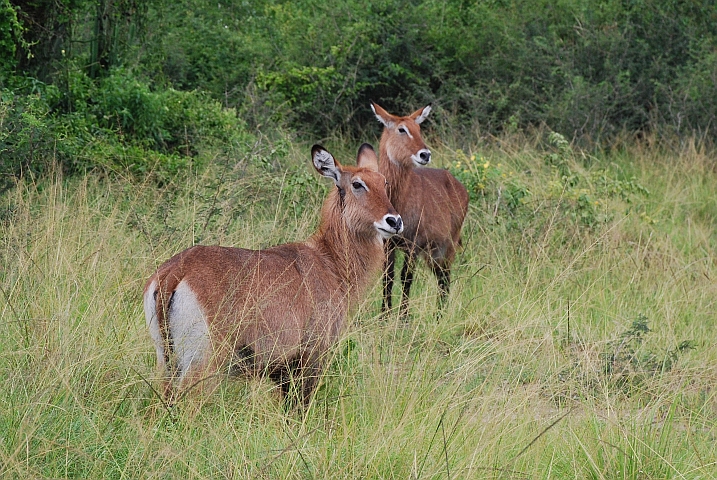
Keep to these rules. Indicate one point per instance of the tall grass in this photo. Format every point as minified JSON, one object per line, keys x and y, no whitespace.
{"x":571,"y":346}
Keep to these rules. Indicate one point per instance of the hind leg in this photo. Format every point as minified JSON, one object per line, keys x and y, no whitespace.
{"x":309,"y":370}
{"x":283,"y":375}
{"x":200,"y":379}
{"x":443,"y":274}
{"x":297,"y":379}
{"x":308,"y":380}
{"x":441,"y":268}
{"x":195,"y":358}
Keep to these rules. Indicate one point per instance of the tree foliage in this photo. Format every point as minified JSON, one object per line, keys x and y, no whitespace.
{"x":587,"y":69}
{"x":582,"y":67}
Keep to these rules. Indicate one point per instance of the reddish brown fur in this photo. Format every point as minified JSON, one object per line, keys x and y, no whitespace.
{"x":284,"y":306}
{"x":432,"y":204}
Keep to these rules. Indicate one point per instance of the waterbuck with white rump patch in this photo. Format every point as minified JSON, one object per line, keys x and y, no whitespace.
{"x":277,"y":311}
{"x":432,"y":203}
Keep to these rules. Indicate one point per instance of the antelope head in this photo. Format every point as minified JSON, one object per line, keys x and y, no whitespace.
{"x":402,"y":136}
{"x":365,"y":207}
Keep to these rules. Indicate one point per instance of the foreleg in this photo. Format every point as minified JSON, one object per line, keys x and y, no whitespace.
{"x":409,"y":266}
{"x":388,"y":276}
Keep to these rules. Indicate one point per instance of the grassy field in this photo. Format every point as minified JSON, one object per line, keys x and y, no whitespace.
{"x":579,"y":339}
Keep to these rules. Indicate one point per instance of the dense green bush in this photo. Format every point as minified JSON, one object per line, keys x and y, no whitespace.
{"x":26,"y":136}
{"x":167,"y":120}
{"x":584,"y":68}
{"x":119,"y":123}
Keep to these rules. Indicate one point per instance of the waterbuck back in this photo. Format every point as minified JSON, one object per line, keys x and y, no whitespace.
{"x":432,"y":203}
{"x":276,"y":311}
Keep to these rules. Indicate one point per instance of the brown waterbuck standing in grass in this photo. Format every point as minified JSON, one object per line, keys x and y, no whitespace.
{"x":275,"y":311}
{"x":432,"y":203}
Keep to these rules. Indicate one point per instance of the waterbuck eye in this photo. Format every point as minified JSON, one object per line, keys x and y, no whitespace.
{"x":402,"y":130}
{"x":357,"y":185}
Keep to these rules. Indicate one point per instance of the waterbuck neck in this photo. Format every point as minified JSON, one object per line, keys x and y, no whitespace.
{"x":395,"y":171}
{"x":354,"y":258}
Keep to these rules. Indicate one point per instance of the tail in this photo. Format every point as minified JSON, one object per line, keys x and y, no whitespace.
{"x":158,"y":297}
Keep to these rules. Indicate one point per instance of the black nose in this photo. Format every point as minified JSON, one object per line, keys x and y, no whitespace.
{"x":394,"y":222}
{"x":425,"y":156}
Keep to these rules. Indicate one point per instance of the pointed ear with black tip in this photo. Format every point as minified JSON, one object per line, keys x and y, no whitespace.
{"x":325,"y":163}
{"x":367,"y":158}
{"x":383,"y":116}
{"x":421,"y":114}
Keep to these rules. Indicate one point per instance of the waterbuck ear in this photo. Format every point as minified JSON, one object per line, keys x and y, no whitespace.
{"x":367,"y":158}
{"x":420,"y":115}
{"x":325,"y":163}
{"x":382,"y":115}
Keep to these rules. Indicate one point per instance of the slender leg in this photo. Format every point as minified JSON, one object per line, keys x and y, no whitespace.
{"x":309,"y":377}
{"x":444,"y":285}
{"x":409,"y":264}
{"x":297,"y":379}
{"x":285,"y":375}
{"x":388,"y":276}
{"x":201,"y":379}
{"x":442,"y":270}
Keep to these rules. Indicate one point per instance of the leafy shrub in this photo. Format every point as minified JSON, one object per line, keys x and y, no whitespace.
{"x":584,"y":68}
{"x":167,"y":120}
{"x":585,"y":198}
{"x":628,"y":363}
{"x":120,"y":124}
{"x":625,"y":365}
{"x":581,"y":194}
{"x":27,"y":136}
{"x":560,"y":158}
{"x":475,"y":173}
{"x":691,"y":102}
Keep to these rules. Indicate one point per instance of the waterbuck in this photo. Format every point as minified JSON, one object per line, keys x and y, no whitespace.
{"x":432,"y":203}
{"x":275,"y":311}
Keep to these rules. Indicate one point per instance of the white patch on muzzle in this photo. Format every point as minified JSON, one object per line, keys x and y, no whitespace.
{"x":389,"y":226}
{"x":421,"y":157}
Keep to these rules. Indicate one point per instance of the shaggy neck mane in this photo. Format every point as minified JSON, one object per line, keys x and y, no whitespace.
{"x":355,"y":259}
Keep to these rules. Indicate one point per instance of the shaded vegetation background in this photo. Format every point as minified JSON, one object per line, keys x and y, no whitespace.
{"x":160,"y":85}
